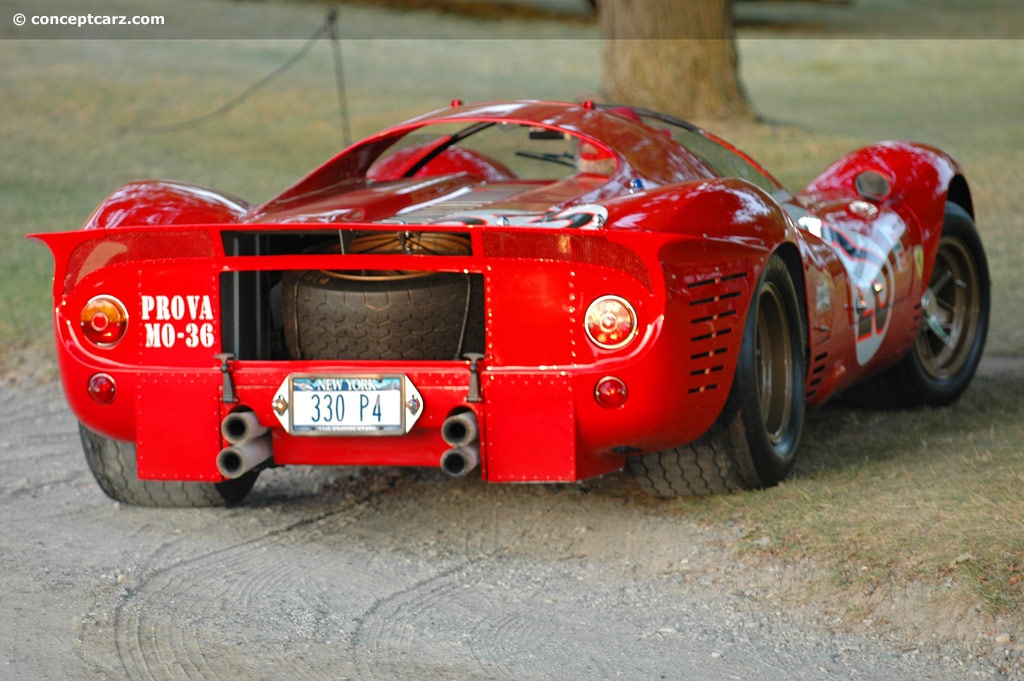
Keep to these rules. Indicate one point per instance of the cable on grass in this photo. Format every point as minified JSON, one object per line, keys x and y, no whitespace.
{"x":327,"y":28}
{"x":339,"y":73}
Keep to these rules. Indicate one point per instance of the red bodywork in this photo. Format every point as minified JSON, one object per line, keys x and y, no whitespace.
{"x":682,"y":242}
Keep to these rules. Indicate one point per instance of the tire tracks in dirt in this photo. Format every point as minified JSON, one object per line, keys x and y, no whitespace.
{"x":382,"y":574}
{"x":222,"y":613}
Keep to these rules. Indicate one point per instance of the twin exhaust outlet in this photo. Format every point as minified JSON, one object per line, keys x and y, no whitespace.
{"x":249,"y":444}
{"x":461,"y":432}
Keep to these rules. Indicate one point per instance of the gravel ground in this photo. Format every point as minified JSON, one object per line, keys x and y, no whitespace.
{"x":381,"y":574}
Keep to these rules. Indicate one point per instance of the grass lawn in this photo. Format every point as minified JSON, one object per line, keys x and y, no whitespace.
{"x":880,"y":501}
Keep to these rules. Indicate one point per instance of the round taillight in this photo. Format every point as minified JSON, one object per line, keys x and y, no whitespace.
{"x":611,"y":392}
{"x":104,"y":320}
{"x":610,"y":322}
{"x":102,"y":388}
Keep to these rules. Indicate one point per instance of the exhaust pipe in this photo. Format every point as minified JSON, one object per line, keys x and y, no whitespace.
{"x":458,"y":461}
{"x":238,"y":459}
{"x":460,"y":429}
{"x":248,"y":444}
{"x":241,"y":426}
{"x":461,"y":432}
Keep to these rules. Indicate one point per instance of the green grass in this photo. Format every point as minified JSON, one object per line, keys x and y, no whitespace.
{"x":888,"y":499}
{"x":878,"y":499}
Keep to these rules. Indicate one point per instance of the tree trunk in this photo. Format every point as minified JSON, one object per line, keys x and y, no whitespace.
{"x":674,"y":56}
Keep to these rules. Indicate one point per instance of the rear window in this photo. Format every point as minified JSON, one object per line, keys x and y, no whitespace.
{"x":511,"y":150}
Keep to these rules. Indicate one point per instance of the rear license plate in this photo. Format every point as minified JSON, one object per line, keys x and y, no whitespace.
{"x":348,"y":405}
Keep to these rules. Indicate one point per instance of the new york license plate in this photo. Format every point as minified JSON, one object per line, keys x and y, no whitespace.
{"x":349,"y":405}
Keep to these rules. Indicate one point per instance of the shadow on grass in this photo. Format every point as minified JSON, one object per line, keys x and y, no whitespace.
{"x":987,"y":417}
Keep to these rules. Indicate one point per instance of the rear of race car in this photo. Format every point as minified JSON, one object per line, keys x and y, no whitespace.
{"x":533,"y":354}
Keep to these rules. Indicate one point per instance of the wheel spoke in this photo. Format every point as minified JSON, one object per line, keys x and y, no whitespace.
{"x":940,"y":283}
{"x":937,"y":328}
{"x":949,"y":307}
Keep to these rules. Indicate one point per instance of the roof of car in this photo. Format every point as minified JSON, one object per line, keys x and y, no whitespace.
{"x":642,"y":151}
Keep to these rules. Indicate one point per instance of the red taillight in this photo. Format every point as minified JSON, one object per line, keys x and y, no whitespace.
{"x":102,"y":388}
{"x":610,"y":322}
{"x":104,"y":320}
{"x":611,"y":392}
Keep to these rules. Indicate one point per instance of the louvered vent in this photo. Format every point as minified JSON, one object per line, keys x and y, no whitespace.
{"x":816,"y":374}
{"x":715,"y":317}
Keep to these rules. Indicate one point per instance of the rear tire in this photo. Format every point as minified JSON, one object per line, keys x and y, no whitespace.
{"x":414,"y":318}
{"x":113,"y":464}
{"x":753,"y":443}
{"x":374,"y":315}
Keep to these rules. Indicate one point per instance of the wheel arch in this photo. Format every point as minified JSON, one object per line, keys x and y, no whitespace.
{"x":790,"y":255}
{"x":959,"y":192}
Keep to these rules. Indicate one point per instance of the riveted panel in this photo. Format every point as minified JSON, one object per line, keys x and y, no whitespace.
{"x":531,"y":427}
{"x":178,"y":428}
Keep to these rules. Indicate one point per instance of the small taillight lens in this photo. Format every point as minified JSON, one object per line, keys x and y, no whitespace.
{"x":611,"y":392}
{"x":610,"y":322}
{"x":104,"y":320}
{"x":102,"y":388}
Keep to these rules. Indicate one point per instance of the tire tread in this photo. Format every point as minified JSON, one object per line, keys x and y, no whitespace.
{"x":113,"y":465}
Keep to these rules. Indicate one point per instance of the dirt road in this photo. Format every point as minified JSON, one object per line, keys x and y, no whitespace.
{"x":386,"y":574}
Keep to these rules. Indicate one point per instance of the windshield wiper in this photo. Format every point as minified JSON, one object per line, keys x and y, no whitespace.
{"x":564,"y":158}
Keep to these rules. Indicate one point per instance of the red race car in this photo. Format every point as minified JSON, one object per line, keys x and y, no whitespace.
{"x":544,"y":291}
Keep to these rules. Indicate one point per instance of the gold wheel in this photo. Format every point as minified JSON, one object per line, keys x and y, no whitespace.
{"x":952,"y":311}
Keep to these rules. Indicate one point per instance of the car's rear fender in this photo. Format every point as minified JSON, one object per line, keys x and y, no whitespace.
{"x":728,"y":209}
{"x":721,"y":234}
{"x":162,"y":202}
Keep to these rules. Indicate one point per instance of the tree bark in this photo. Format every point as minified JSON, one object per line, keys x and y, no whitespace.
{"x":675,"y":56}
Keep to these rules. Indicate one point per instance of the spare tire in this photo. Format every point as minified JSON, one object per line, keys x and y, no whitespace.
{"x":387,"y":315}
{"x":419,"y":318}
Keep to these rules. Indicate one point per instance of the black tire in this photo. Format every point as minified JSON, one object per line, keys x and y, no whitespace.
{"x":112,"y":463}
{"x":753,"y":444}
{"x":390,"y":317}
{"x":954,"y":327}
{"x":393,"y":314}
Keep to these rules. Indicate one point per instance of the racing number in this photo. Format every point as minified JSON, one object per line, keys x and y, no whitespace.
{"x":871,"y":261}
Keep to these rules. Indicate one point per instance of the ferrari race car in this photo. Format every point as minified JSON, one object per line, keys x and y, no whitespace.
{"x":539,"y":291}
